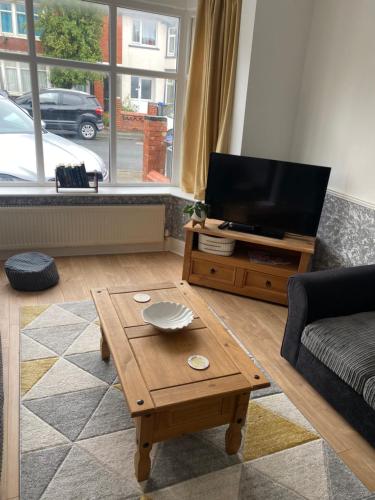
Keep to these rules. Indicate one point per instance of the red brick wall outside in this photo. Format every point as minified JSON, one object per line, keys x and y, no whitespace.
{"x":99,"y":91}
{"x":154,"y":147}
{"x":104,"y":42}
{"x":104,"y":47}
{"x":152,"y":108}
{"x":128,"y":121}
{"x":131,"y":121}
{"x":16,"y":44}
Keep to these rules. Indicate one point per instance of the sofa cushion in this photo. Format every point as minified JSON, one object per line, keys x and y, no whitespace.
{"x":346,"y":345}
{"x":369,"y":392}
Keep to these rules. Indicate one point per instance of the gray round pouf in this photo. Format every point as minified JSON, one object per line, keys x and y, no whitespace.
{"x":31,"y":272}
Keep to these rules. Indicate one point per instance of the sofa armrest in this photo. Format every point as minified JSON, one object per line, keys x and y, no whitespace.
{"x":323,"y":294}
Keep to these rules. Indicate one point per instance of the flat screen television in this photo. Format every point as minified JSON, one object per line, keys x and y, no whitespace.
{"x":263,"y":196}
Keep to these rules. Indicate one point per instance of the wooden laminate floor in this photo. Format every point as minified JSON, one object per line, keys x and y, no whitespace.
{"x":259,"y":325}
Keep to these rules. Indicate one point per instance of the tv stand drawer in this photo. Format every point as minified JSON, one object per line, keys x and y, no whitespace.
{"x":264,"y":281}
{"x":213,"y":271}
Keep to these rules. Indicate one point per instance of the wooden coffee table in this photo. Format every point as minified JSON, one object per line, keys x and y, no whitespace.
{"x":165,"y":396}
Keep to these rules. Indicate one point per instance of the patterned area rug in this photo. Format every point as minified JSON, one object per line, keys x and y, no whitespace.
{"x":78,"y":440}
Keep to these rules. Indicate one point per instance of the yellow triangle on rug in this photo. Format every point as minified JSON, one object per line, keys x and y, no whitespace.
{"x":29,"y":313}
{"x":32,"y":371}
{"x":267,"y":432}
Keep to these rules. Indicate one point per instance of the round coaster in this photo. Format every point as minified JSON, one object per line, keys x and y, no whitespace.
{"x":198,"y":362}
{"x":141,"y":297}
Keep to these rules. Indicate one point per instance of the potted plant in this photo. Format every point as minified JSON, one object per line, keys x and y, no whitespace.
{"x":198,"y":212}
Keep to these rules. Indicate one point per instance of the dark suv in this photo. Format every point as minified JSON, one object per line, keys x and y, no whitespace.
{"x":66,"y":111}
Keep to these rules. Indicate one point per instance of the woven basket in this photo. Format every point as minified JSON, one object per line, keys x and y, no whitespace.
{"x":216,"y":245}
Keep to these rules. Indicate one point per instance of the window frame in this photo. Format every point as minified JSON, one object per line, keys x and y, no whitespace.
{"x":171,"y":36}
{"x":3,"y":11}
{"x":139,"y":88}
{"x":140,"y":43}
{"x":167,"y":85}
{"x":113,"y":69}
{"x":18,"y":67}
{"x":14,"y":17}
{"x":23,"y":14}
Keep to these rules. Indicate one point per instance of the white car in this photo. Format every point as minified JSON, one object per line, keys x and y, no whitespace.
{"x":17,"y":148}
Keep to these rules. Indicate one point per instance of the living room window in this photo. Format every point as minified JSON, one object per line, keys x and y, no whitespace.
{"x":13,"y":18}
{"x":171,"y":42}
{"x":141,"y":88}
{"x":169,"y":91}
{"x":15,"y":77}
{"x":144,"y":32}
{"x":21,"y":19}
{"x":6,"y":18}
{"x":108,"y":71}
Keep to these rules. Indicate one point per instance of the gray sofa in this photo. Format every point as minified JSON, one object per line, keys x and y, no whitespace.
{"x":330,"y":339}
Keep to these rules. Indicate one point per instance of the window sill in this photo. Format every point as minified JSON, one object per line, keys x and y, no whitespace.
{"x":140,"y":46}
{"x":15,"y":192}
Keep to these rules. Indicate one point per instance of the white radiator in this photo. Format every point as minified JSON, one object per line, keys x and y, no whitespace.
{"x":80,"y":226}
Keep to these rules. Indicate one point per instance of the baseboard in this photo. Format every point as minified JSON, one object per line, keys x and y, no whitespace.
{"x":171,"y":245}
{"x":175,"y":246}
{"x":352,"y":199}
{"x":91,"y":250}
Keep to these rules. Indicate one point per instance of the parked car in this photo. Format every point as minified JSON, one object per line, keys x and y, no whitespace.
{"x":17,"y":148}
{"x":66,"y":111}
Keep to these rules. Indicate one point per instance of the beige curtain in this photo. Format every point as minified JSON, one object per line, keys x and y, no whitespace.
{"x":210,"y":90}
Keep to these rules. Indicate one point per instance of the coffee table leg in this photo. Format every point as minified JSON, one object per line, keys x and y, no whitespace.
{"x":104,"y":349}
{"x":233,"y":436}
{"x":144,"y":431}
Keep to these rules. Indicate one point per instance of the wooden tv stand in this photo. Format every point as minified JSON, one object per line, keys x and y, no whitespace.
{"x":259,"y":267}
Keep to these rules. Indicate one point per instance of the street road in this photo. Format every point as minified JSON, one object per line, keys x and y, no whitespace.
{"x":129,"y":149}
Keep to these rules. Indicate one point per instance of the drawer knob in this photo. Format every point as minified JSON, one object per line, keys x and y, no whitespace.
{"x":212,"y":270}
{"x":268,"y":284}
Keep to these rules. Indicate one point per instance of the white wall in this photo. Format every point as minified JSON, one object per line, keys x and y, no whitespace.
{"x":245,"y":42}
{"x":310,"y":89}
{"x":279,"y":45}
{"x":335,"y":123}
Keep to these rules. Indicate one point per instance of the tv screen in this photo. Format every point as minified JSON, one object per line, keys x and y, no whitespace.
{"x":270,"y":194}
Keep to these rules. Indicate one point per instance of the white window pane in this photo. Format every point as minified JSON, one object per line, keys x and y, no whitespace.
{"x":136,"y":31}
{"x":25,"y":77}
{"x":145,"y":130}
{"x":89,"y":43}
{"x":25,"y":80}
{"x":140,"y":33}
{"x":17,"y":143}
{"x":12,"y":21}
{"x":77,"y":128}
{"x":170,"y":92}
{"x":134,"y":87}
{"x":172,"y":45}
{"x":146,"y":41}
{"x":12,"y":82}
{"x":21,"y":22}
{"x":6,"y":22}
{"x":148,"y":32}
{"x":146,"y":89}
{"x":43,"y":79}
{"x":14,"y":78}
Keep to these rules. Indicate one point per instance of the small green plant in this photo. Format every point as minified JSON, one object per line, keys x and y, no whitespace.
{"x":106,"y":120}
{"x":198,"y":207}
{"x":129,"y":106}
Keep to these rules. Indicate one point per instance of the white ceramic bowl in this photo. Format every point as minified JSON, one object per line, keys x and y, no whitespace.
{"x":168,"y":316}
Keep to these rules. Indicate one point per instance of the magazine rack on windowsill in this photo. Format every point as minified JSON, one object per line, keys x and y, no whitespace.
{"x":94,"y":186}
